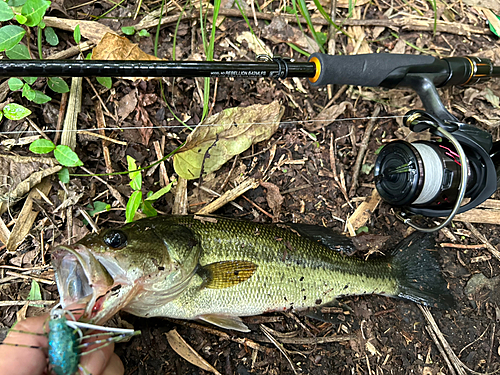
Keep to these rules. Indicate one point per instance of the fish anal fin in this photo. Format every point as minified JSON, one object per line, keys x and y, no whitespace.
{"x":220,"y":275}
{"x":225,"y":321}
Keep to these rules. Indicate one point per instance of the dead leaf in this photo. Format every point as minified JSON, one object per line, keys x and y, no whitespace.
{"x":182,"y":348}
{"x":327,"y":116}
{"x":492,"y":18}
{"x":279,"y":31}
{"x":114,"y":47}
{"x":494,"y":5}
{"x":255,"y":44}
{"x":27,"y":216}
{"x":127,"y":104}
{"x":224,"y":135}
{"x":274,"y":198}
{"x":91,"y":30}
{"x":342,"y":3}
{"x":19,"y":174}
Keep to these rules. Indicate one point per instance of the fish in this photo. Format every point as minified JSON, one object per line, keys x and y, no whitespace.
{"x":217,"y":270}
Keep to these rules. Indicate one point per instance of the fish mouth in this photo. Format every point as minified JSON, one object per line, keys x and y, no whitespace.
{"x":82,"y":279}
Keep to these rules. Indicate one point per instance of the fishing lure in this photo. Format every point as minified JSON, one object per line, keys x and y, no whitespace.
{"x":67,"y":341}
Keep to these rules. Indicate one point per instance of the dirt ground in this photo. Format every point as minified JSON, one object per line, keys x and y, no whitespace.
{"x":377,"y":335}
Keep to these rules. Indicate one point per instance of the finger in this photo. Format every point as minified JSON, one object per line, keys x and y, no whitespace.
{"x":13,"y":359}
{"x":96,"y":362}
{"x":114,"y":367}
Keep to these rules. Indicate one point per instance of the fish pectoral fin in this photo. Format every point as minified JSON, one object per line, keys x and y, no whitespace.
{"x":220,"y":275}
{"x":225,"y":321}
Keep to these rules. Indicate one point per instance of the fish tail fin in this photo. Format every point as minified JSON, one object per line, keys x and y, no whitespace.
{"x":418,"y":272}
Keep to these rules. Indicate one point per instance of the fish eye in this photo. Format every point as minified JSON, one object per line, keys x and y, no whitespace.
{"x":115,"y":239}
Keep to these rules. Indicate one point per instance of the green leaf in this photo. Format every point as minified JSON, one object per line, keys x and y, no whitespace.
{"x":6,"y":13}
{"x":63,"y":175}
{"x":135,"y":177}
{"x":160,"y":193}
{"x":362,"y":230}
{"x":40,"y":97}
{"x":144,"y":33}
{"x":148,"y":209}
{"x":66,"y":156}
{"x":133,"y":204}
{"x":35,"y":293}
{"x":105,"y":81}
{"x":51,"y":36}
{"x":15,"y":111}
{"x":34,"y":10}
{"x":58,"y":85}
{"x":30,"y":80}
{"x":10,"y":35}
{"x":367,"y":168}
{"x":15,"y":84}
{"x":77,"y":36}
{"x":21,"y":19}
{"x":18,"y":52}
{"x":28,"y":92}
{"x":16,"y":3}
{"x":42,"y":146}
{"x":98,"y":207}
{"x":128,"y":30}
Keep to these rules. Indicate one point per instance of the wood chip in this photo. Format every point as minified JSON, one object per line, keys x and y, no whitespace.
{"x":363,"y":213}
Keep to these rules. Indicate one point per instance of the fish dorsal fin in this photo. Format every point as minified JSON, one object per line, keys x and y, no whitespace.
{"x":225,"y":321}
{"x":220,"y":275}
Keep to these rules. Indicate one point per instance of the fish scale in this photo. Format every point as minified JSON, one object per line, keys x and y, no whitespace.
{"x":220,"y":269}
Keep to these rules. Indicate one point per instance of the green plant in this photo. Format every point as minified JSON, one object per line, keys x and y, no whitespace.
{"x":63,"y":154}
{"x":28,"y":13}
{"x":136,"y":201}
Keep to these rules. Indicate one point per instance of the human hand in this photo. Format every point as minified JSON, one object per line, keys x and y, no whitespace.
{"x":17,"y":360}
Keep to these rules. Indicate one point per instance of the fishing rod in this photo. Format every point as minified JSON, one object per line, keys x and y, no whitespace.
{"x":423,"y":178}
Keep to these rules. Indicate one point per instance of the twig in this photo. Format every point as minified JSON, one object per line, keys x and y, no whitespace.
{"x":225,"y":336}
{"x":248,"y":184}
{"x":483,"y":239}
{"x":217,"y":195}
{"x":280,"y":347}
{"x":22,"y":303}
{"x":60,"y":119}
{"x":460,"y":246}
{"x":101,"y":124}
{"x":103,"y":137}
{"x":422,"y":24}
{"x":362,"y":150}
{"x":19,"y":275}
{"x":35,"y":126}
{"x":164,"y":181}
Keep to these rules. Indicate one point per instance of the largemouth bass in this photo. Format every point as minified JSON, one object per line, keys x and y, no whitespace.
{"x":219,"y":269}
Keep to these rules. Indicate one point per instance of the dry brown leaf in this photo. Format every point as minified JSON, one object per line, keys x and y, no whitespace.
{"x":492,"y":18}
{"x":489,"y":4}
{"x":327,"y":116}
{"x":127,"y":104}
{"x":91,"y":30}
{"x":19,"y":174}
{"x":255,"y":44}
{"x":182,"y":348}
{"x":279,"y":31}
{"x":27,"y":216}
{"x":224,"y":135}
{"x":114,"y":47}
{"x":274,"y":198}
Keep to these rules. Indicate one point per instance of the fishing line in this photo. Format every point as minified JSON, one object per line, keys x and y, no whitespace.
{"x":291,"y":122}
